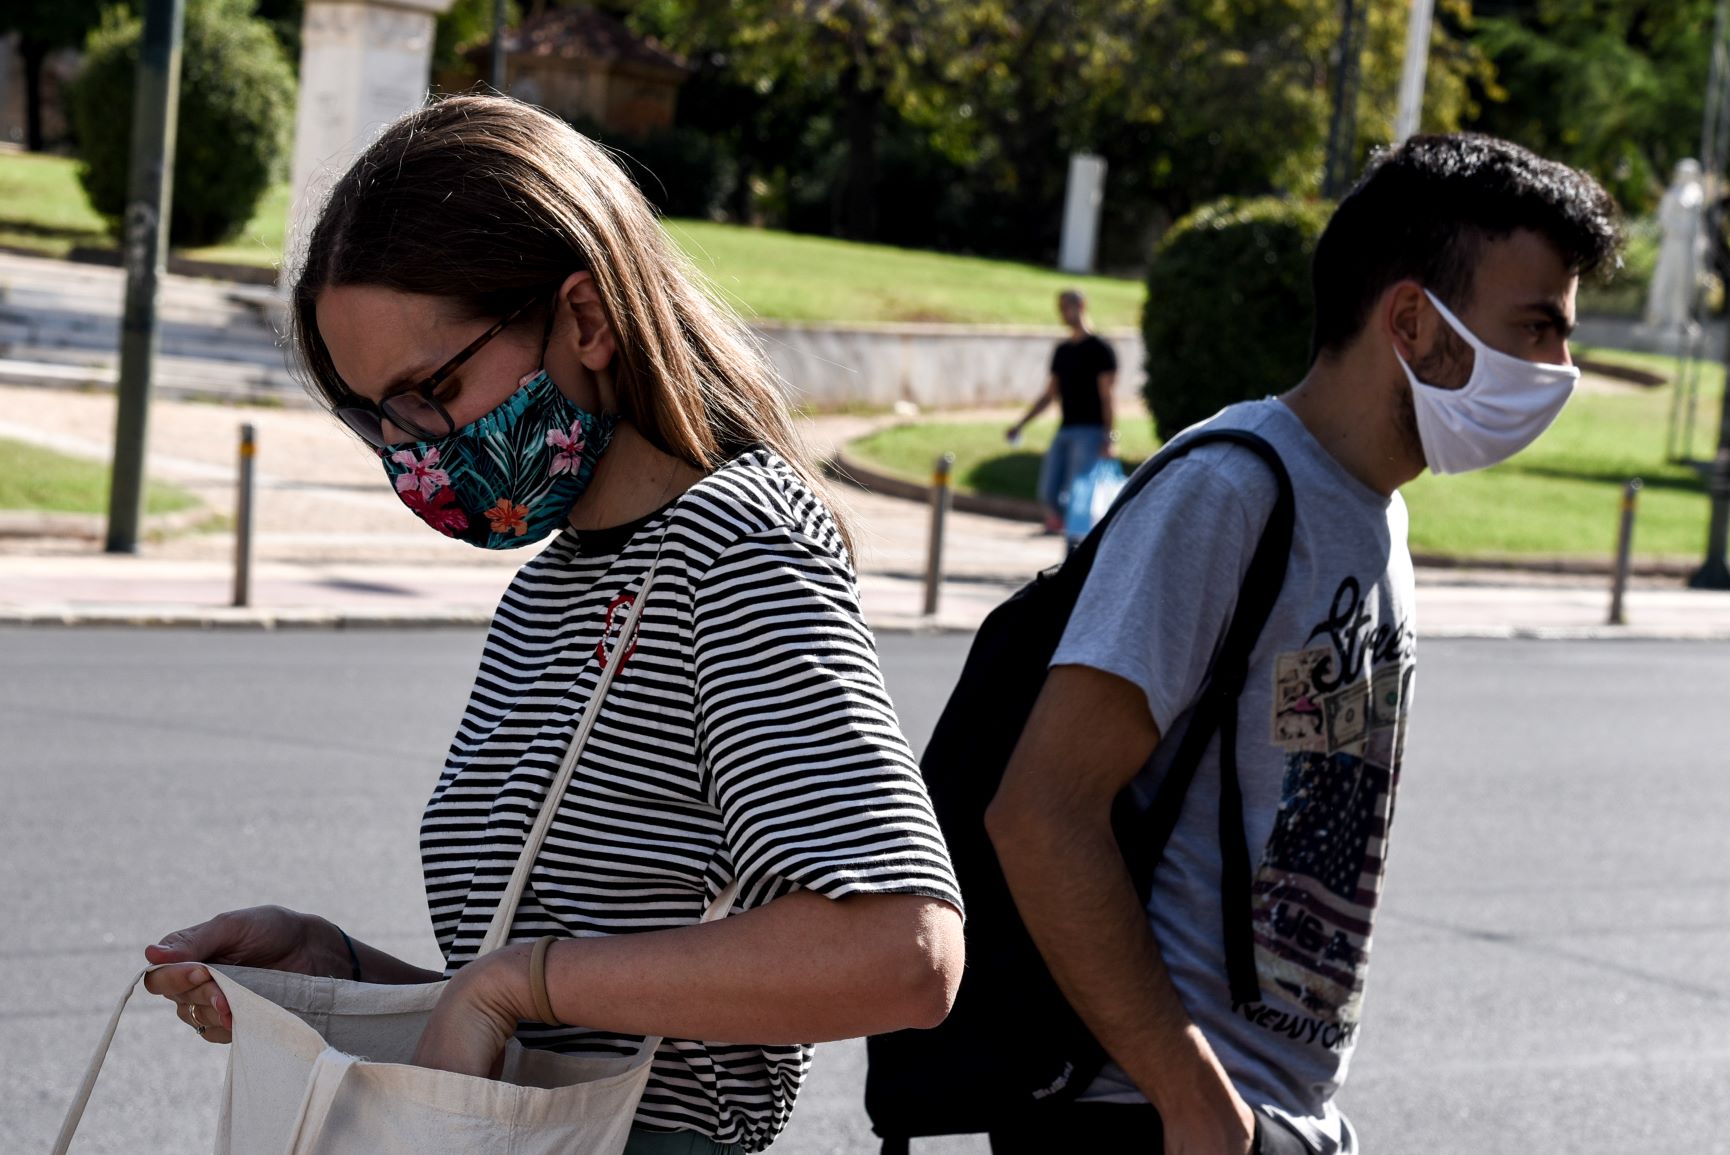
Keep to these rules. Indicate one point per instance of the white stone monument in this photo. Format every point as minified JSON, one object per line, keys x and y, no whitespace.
{"x":363,"y":63}
{"x":1682,"y":253}
{"x":1081,"y":204}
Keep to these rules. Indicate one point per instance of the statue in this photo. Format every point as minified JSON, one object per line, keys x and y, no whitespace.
{"x":1682,"y":253}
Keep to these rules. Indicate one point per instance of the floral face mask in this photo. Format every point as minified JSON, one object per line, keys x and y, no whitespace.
{"x":509,"y":478}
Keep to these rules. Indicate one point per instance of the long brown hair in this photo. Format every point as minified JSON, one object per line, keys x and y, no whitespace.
{"x":484,"y":201}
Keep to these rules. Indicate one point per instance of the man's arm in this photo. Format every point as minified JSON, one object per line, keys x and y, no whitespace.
{"x":1045,"y":398}
{"x":1107,"y":416}
{"x":1090,"y":732}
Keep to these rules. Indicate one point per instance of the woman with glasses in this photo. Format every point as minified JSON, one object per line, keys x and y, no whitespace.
{"x":489,"y":302}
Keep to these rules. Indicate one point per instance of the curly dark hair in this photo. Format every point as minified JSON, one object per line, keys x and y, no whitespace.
{"x":1424,"y":211}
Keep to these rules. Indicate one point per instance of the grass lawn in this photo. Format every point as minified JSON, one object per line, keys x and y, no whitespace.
{"x":789,"y":277}
{"x":1561,"y":497}
{"x":761,"y":273}
{"x":42,"y":206}
{"x":43,"y":209}
{"x":32,"y":478}
{"x":984,"y":461}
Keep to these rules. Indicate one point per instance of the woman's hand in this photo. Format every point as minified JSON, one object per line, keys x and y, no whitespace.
{"x":270,"y":937}
{"x":477,"y":1015}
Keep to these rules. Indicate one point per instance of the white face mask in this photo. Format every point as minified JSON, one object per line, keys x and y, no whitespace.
{"x":1504,"y":407}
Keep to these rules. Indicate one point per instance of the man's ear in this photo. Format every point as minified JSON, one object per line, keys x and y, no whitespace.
{"x":584,"y":322}
{"x":1408,"y":320}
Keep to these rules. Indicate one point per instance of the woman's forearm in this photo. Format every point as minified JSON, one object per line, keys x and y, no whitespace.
{"x":802,"y":969}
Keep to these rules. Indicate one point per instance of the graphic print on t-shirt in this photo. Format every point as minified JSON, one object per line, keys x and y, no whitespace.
{"x":1339,"y":708}
{"x":612,"y":634}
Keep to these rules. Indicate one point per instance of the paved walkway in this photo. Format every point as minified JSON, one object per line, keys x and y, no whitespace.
{"x":334,"y":546}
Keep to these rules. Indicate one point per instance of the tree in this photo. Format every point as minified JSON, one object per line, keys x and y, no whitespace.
{"x":44,"y":26}
{"x":235,"y":115}
{"x":1187,"y":100}
{"x":862,"y":59}
{"x":1615,"y":87}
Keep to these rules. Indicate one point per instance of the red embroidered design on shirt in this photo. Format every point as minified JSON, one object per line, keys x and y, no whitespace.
{"x":622,"y":602}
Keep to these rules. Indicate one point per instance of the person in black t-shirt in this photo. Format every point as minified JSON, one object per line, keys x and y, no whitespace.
{"x":1083,"y":371}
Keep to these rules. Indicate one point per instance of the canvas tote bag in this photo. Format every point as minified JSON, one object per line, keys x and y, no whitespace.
{"x":320,"y":1066}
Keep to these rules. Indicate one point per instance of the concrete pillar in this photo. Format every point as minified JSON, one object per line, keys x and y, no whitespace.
{"x":363,"y":63}
{"x":1081,"y":204}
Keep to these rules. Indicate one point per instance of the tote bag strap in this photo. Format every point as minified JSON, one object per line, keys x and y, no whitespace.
{"x":715,"y":910}
{"x":75,"y":1113}
{"x":506,"y":913}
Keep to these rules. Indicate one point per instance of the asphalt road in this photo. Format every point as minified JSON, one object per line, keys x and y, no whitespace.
{"x":1552,"y":967}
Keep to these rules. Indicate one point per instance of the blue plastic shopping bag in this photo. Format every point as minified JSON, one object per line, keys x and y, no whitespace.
{"x":1090,"y":495}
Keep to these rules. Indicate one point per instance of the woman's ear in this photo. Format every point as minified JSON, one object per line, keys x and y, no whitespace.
{"x":591,"y":335}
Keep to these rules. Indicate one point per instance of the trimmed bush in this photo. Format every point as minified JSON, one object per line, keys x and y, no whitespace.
{"x":1229,"y":307}
{"x":236,"y":113}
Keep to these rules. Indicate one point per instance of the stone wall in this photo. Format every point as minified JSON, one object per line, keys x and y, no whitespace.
{"x":832,"y":367}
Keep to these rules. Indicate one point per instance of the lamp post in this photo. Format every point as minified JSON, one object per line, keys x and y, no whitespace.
{"x":498,"y":53}
{"x":1416,"y":65}
{"x":150,"y":194}
{"x":1343,"y":125}
{"x":1714,"y":573}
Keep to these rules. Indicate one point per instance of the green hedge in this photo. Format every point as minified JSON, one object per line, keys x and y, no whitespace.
{"x":236,"y":115}
{"x":1229,"y":306}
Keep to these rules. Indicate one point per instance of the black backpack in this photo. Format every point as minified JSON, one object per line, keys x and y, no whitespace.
{"x":1011,"y":1044}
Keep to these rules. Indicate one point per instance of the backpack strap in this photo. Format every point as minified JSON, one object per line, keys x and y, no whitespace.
{"x":1144,"y":835}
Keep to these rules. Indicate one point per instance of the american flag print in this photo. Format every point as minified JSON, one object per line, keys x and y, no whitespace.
{"x":1339,"y":717}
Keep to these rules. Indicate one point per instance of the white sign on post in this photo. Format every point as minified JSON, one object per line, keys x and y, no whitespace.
{"x":1081,"y":205}
{"x":363,"y":63}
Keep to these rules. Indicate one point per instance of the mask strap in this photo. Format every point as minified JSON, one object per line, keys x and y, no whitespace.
{"x":1457,"y":325}
{"x":547,"y":331}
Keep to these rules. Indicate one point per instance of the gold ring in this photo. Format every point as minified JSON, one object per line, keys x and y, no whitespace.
{"x":192,"y":1012}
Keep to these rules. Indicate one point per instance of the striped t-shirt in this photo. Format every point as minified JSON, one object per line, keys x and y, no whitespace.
{"x":748,"y":735}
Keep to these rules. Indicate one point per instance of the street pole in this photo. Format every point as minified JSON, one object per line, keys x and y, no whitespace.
{"x":1714,"y":574}
{"x":1343,"y":125}
{"x":1624,"y":552}
{"x":1412,"y":78}
{"x":498,"y":53}
{"x":155,"y":103}
{"x":245,"y":499}
{"x":934,"y":547}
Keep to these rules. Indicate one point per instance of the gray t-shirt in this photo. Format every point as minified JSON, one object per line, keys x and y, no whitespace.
{"x":1321,"y":729}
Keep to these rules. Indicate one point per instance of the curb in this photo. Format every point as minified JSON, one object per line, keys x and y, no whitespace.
{"x":1617,"y":372}
{"x":309,"y":618}
{"x":93,"y":526}
{"x":849,"y":471}
{"x":236,"y":618}
{"x":1574,"y":634}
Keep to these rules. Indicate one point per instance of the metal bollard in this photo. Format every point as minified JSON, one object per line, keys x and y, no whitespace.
{"x":243,"y":518}
{"x":1624,"y":551}
{"x":934,"y":551}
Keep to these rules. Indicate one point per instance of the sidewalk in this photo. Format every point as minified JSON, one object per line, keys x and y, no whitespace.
{"x":334,"y":547}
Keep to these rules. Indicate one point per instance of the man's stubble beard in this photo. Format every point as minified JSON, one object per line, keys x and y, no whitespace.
{"x":1448,"y":366}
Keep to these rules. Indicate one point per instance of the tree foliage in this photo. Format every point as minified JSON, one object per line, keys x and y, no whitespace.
{"x":1616,"y":87}
{"x":236,"y":112}
{"x":978,"y":104}
{"x":43,"y":26}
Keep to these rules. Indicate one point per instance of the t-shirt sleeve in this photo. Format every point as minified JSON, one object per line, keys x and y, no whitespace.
{"x":1106,"y":357}
{"x":813,"y":778}
{"x":1164,"y":585}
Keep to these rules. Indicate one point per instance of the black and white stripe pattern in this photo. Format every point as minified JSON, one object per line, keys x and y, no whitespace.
{"x":747,"y":735}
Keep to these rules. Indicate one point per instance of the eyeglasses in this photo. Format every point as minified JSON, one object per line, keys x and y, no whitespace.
{"x":415,"y":410}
